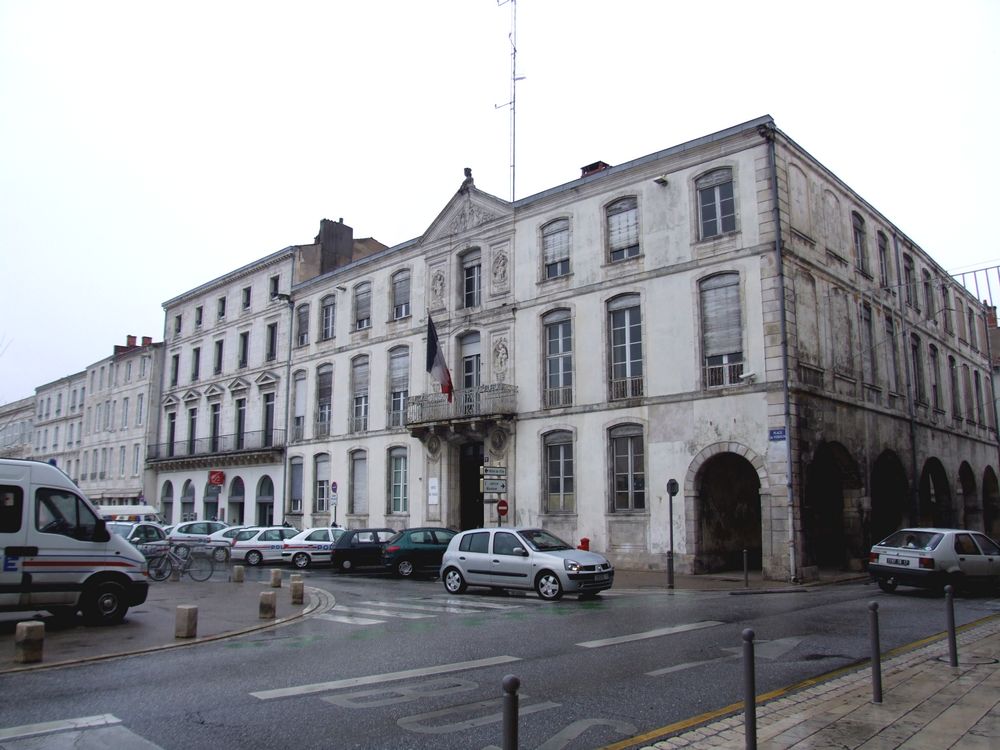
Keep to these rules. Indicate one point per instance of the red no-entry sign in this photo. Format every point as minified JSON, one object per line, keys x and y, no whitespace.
{"x":502,"y":508}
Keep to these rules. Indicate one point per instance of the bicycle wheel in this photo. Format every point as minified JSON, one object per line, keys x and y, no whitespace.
{"x":200,"y":567}
{"x":159,"y":568}
{"x":182,"y":551}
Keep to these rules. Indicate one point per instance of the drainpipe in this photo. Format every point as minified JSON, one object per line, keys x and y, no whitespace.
{"x":769,"y":133}
{"x":287,"y":299}
{"x":911,"y":396}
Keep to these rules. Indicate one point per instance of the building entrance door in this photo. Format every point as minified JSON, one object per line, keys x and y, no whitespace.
{"x":471,"y":508}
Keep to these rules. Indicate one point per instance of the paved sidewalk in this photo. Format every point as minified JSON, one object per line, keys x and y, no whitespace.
{"x":926,"y":705}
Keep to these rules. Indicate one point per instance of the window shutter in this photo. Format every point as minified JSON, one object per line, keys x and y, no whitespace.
{"x":300,"y":396}
{"x":401,"y":288}
{"x":722,"y":331}
{"x":623,"y":226}
{"x":555,"y":241}
{"x":359,"y":480}
{"x":360,"y":374}
{"x":399,"y":365}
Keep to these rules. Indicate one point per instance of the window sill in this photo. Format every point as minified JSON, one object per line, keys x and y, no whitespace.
{"x":632,"y":260}
{"x":556,"y":279}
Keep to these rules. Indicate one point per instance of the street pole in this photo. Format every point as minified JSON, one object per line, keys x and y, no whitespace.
{"x":672,"y":488}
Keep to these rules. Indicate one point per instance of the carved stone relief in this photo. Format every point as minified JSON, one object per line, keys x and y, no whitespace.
{"x":437,"y":288}
{"x":501,"y":357}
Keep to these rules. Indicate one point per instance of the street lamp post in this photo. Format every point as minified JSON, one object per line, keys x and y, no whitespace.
{"x":672,"y":488}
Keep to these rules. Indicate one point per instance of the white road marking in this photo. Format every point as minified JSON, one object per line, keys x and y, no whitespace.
{"x":385,"y":612}
{"x":649,"y":634}
{"x":687,"y":665}
{"x":32,"y":730}
{"x":375,"y":679}
{"x":463,"y":608}
{"x":348,"y":620}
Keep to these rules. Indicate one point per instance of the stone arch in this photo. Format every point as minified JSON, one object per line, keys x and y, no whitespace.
{"x":934,"y":495}
{"x":991,"y":503}
{"x":972,"y":512}
{"x":723,"y":490}
{"x":833,"y":490}
{"x":889,"y":492}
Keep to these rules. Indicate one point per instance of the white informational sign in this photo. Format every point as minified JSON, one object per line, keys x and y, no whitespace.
{"x":432,"y":491}
{"x":333,"y":499}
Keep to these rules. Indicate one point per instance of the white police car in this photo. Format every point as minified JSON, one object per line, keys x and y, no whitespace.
{"x":310,"y":546}
{"x":257,"y":544}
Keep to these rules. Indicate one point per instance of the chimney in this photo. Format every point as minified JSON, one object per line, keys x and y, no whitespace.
{"x":147,"y":340}
{"x":991,"y":315}
{"x":130,"y":340}
{"x":597,"y":166}
{"x":336,"y":241}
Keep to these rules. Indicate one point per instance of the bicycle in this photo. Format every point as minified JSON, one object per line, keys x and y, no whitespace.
{"x":182,"y":558}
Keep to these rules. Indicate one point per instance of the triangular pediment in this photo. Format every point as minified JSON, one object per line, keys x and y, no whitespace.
{"x":169,"y":401}
{"x":266,"y":380}
{"x":214,"y":391}
{"x":192,"y":395}
{"x":240,"y":384}
{"x":468,"y":209}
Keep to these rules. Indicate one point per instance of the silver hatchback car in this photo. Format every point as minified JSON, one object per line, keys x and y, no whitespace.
{"x":931,"y":558}
{"x":523,"y":558}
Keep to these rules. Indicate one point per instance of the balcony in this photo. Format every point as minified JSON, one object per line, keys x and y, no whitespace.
{"x":220,"y":445}
{"x":495,"y":400}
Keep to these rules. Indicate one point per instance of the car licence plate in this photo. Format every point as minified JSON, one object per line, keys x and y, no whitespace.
{"x":601,"y":577}
{"x":898,"y":561}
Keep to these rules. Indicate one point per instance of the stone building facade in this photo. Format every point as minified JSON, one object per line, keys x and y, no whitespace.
{"x":726,"y":313}
{"x":16,"y":428}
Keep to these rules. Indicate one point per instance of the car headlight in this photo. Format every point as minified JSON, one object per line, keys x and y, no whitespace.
{"x":571,"y":565}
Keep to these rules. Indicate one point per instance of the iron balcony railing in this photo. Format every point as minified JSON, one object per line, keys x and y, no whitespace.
{"x":484,"y":400}
{"x":625,"y":388}
{"x":208,"y":446}
{"x":717,"y":376}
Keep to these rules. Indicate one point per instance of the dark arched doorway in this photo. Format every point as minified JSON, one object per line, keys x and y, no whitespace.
{"x":831,"y":472}
{"x":889,"y":493}
{"x":729,"y":518}
{"x":934,"y":496}
{"x":972,"y":517}
{"x":991,"y":503}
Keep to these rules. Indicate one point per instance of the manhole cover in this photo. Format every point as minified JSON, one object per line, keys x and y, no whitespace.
{"x":969,"y":660}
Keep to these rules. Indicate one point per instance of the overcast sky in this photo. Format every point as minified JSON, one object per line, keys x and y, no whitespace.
{"x":146,"y":148}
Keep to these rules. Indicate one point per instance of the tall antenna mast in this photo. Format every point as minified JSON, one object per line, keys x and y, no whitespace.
{"x":513,"y":88}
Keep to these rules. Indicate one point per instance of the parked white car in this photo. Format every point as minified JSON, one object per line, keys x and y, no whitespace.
{"x":932,"y":558}
{"x":259,"y":544}
{"x":310,"y":546}
{"x":222,"y":541}
{"x":195,"y":532}
{"x":523,"y":559}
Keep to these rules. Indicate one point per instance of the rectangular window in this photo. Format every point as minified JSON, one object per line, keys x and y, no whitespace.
{"x":321,"y":484}
{"x":192,"y":431}
{"x":860,"y":243}
{"x":359,"y":384}
{"x":273,"y":284}
{"x":128,"y":372}
{"x":956,"y":399}
{"x":295,"y":485}
{"x":929,"y":311}
{"x":195,"y":364}
{"x":121,"y":461}
{"x":935,"y":376}
{"x":244,"y":349}
{"x":198,"y":314}
{"x":324,"y":403}
{"x":220,"y":308}
{"x":721,"y":330}
{"x":177,"y":331}
{"x":271,"y":345}
{"x":555,"y":248}
{"x":329,"y":318}
{"x":359,"y":484}
{"x":268,"y":420}
{"x":175,"y":366}
{"x":139,"y":403}
{"x":241,"y":423}
{"x":125,"y":406}
{"x":215,"y":426}
{"x":972,"y":326}
{"x":869,"y":363}
{"x":716,"y":203}
{"x":245,"y":297}
{"x":910,"y":281}
{"x":918,"y":369}
{"x":883,"y":260}
{"x":217,"y":358}
{"x":471,"y":282}
{"x":136,"y":459}
{"x":399,"y":379}
{"x":949,"y":322}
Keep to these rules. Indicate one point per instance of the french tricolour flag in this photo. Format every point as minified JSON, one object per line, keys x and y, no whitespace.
{"x":435,"y":360}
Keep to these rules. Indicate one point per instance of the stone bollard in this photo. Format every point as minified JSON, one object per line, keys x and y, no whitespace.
{"x":298,"y":591}
{"x":268,"y":605}
{"x":187,"y":621}
{"x":175,"y":573}
{"x":239,"y":573}
{"x":275,"y":578}
{"x":29,"y":638}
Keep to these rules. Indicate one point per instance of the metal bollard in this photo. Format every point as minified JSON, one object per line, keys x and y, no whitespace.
{"x":239,"y":574}
{"x":746,"y":570}
{"x":876,"y":652}
{"x":511,"y":684}
{"x":175,"y":573}
{"x":29,"y":641}
{"x":749,"y":693}
{"x":275,"y":578}
{"x":186,"y":623}
{"x":268,"y":605}
{"x":298,"y":591}
{"x":949,"y":606}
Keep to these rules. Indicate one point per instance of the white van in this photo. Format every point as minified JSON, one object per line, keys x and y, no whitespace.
{"x":134,"y":513}
{"x":58,"y":555}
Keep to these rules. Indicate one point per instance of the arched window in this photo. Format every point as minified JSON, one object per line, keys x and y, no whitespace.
{"x":558,"y":332}
{"x":472,"y":278}
{"x":399,"y":501}
{"x":358,"y":502}
{"x":623,"y":229}
{"x":302,"y":325}
{"x":362,"y":306}
{"x":560,"y":492}
{"x":321,"y":474}
{"x":324,"y":400}
{"x":328,"y":317}
{"x":359,"y":397}
{"x":295,"y":485}
{"x":400,"y":295}
{"x":299,"y":409}
{"x":555,"y":248}
{"x":716,"y":204}
{"x":399,"y":385}
{"x":721,"y":329}
{"x":628,"y":468}
{"x":860,"y":242}
{"x":625,"y":347}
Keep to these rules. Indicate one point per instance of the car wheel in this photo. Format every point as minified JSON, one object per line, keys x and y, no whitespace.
{"x":254,"y":558}
{"x":346,"y":565}
{"x":300,"y":560}
{"x":404,"y":569}
{"x":548,"y":586}
{"x":104,"y":604}
{"x":888,"y":585}
{"x":221,"y":554}
{"x":454,"y":583}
